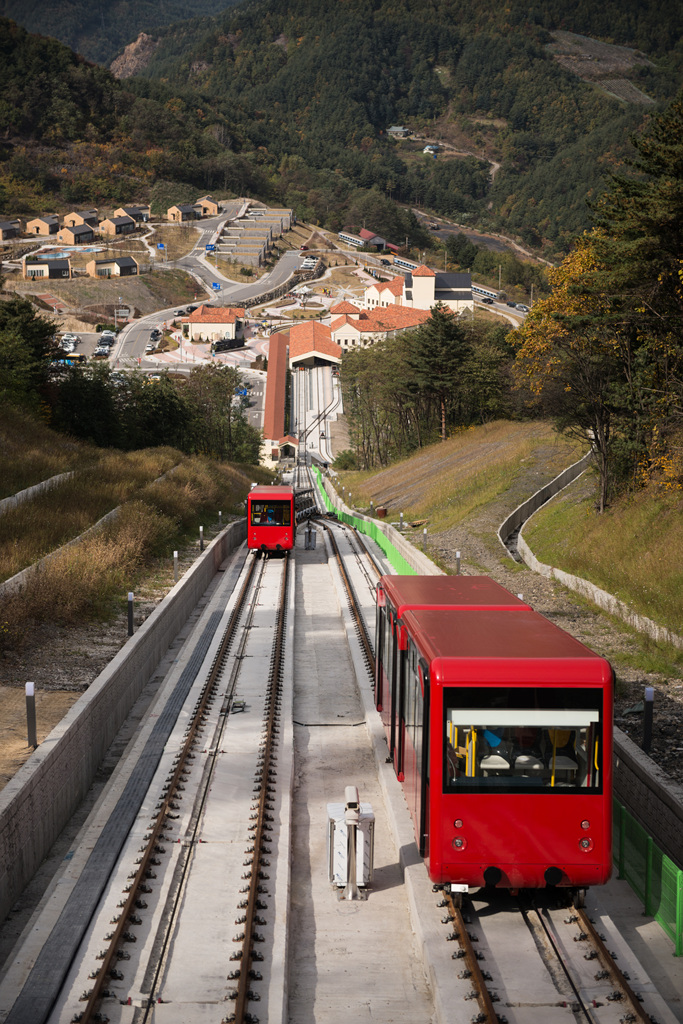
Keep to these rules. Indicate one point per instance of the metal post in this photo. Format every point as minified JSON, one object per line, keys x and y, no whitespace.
{"x":457,"y":563}
{"x":400,"y":525}
{"x":372,"y":509}
{"x":201,"y":538}
{"x":647,"y":718}
{"x":175,"y":566}
{"x":130,"y":613}
{"x":220,"y":520}
{"x":31,"y":715}
{"x":349,"y":499}
{"x":424,"y":539}
{"x":352,"y":818}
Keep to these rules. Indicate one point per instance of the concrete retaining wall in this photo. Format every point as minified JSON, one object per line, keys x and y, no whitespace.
{"x":646,"y":792}
{"x":515,"y":520}
{"x":32,"y":492}
{"x":649,"y":795}
{"x":38,"y":802}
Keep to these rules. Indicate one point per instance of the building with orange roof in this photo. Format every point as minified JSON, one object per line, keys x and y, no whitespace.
{"x":311,"y":344}
{"x":422,"y":288}
{"x":209,"y":324}
{"x":344,"y":307}
{"x":368,"y":327}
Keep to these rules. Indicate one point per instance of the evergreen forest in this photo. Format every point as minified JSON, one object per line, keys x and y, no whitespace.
{"x":271,"y":99}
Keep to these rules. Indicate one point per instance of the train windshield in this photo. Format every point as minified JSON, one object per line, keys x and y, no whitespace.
{"x":513,"y":740}
{"x":271,"y":513}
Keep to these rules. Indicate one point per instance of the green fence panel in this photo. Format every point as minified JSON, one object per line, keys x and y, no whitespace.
{"x":370,"y":529}
{"x":653,"y":876}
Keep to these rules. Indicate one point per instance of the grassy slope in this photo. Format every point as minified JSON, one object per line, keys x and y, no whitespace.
{"x":634,"y":551}
{"x":156,"y":516}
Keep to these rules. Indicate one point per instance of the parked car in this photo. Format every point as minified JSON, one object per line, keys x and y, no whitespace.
{"x":303,"y":248}
{"x":191,"y":309}
{"x":150,"y":346}
{"x":101,"y":350}
{"x":155,"y":333}
{"x":385,"y":263}
{"x":487,"y":300}
{"x":179,"y":312}
{"x":522,"y":308}
{"x":68,"y":336}
{"x":511,"y":303}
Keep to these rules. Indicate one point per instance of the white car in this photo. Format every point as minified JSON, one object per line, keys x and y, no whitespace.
{"x":74,"y":338}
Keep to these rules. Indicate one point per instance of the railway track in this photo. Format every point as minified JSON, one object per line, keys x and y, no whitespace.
{"x":212,"y":799}
{"x":582,"y":980}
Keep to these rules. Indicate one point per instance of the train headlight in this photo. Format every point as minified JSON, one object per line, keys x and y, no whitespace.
{"x":459,"y":843}
{"x":585,"y":824}
{"x":585,"y":845}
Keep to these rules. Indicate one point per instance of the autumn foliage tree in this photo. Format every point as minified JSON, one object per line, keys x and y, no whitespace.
{"x":604,"y":354}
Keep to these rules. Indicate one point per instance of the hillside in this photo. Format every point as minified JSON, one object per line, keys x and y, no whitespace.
{"x":490,"y":77}
{"x":267,"y":98}
{"x":100,"y":31}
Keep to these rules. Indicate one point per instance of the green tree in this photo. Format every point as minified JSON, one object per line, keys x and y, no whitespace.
{"x":438,"y":349}
{"x":27,"y":347}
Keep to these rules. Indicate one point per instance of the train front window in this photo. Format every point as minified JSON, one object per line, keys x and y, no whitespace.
{"x":509,"y":739}
{"x":271,"y":513}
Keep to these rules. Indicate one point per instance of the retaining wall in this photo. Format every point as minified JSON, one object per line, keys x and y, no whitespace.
{"x":38,"y":802}
{"x":32,"y":492}
{"x":393,"y":538}
{"x":649,"y":795}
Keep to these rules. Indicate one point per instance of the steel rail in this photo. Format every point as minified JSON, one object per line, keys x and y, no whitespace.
{"x":353,"y":602}
{"x":97,"y":992}
{"x":609,"y":964}
{"x":267,"y":761}
{"x":460,"y":932}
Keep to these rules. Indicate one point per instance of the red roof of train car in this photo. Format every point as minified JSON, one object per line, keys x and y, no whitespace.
{"x":484,"y":646}
{"x":406,"y":592}
{"x":273,"y":492}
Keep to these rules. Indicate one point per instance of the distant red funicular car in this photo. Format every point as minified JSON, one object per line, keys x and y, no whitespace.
{"x":271,"y":522}
{"x":502,"y":729}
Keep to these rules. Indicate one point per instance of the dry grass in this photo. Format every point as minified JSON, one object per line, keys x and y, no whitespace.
{"x":89,"y":579}
{"x":36,"y":528}
{"x":634,"y":550}
{"x":30,"y":452}
{"x":448,"y":481}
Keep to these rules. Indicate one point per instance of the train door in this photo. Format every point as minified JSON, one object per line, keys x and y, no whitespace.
{"x":414,"y":748}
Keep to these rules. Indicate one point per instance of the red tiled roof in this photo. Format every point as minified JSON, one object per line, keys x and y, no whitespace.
{"x":423,"y":271}
{"x":312,"y":337}
{"x":344,"y":307}
{"x":388,"y":318}
{"x":276,"y":380}
{"x":395,"y":286}
{"x":224,"y":315}
{"x":366,"y":235}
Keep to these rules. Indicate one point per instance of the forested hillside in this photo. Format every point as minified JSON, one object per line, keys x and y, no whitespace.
{"x":291,"y":102}
{"x":100,"y":30}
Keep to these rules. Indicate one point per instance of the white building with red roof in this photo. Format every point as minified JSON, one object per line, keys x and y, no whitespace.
{"x":207,"y":324}
{"x":422,"y":288}
{"x":362,"y":328}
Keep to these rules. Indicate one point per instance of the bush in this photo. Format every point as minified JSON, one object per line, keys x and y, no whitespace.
{"x":345,"y":460}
